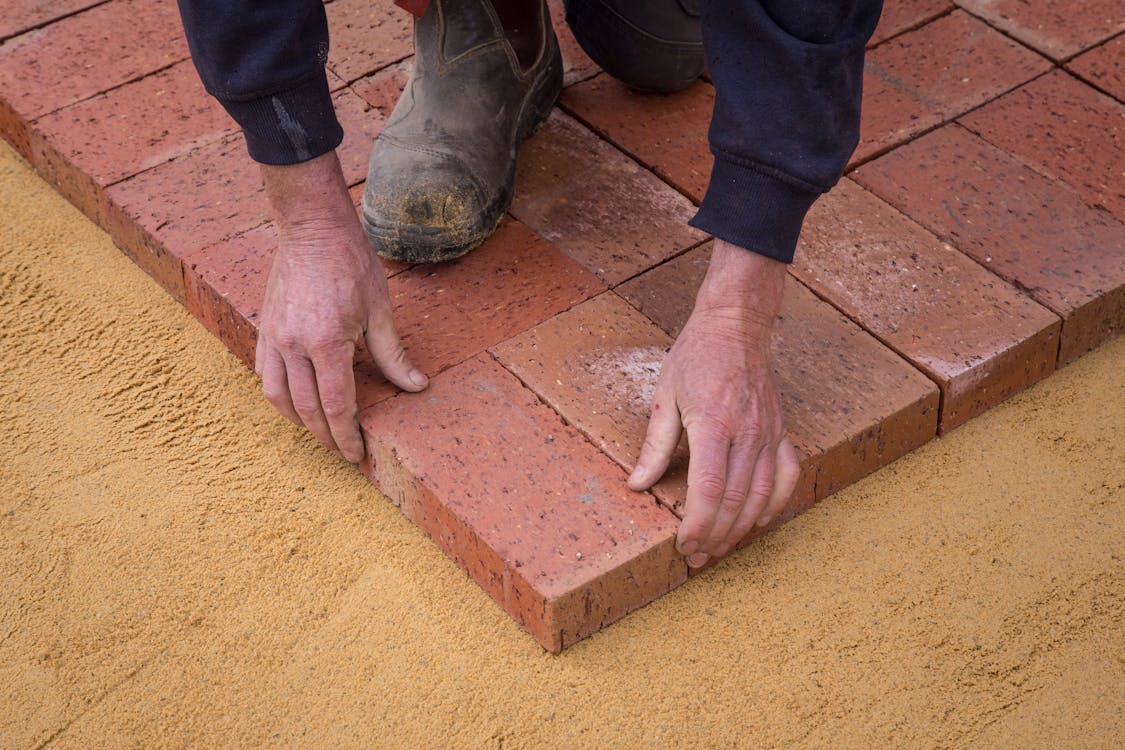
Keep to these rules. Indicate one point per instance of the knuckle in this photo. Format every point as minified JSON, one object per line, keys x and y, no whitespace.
{"x":323,"y":346}
{"x":732,"y":502}
{"x":710,"y":486}
{"x":274,"y":394}
{"x":287,"y":340}
{"x":757,"y":499}
{"x":335,"y":409}
{"x":753,"y":436}
{"x":305,"y":406}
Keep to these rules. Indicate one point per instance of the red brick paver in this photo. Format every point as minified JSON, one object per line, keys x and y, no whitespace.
{"x":667,"y":133}
{"x":929,"y":76}
{"x":88,"y":53}
{"x":86,"y":147}
{"x":977,"y":337}
{"x":1054,"y":27}
{"x":17,"y":16}
{"x":445,"y":314}
{"x":1029,"y":229}
{"x":367,"y":37}
{"x":904,"y":15}
{"x":185,"y":205}
{"x":521,"y":479}
{"x":577,"y":65}
{"x":522,"y":502}
{"x":1104,"y":67}
{"x":597,"y":205}
{"x":1065,"y":129}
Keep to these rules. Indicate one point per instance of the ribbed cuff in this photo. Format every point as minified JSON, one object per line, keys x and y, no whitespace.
{"x":753,"y":210}
{"x":289,"y":126}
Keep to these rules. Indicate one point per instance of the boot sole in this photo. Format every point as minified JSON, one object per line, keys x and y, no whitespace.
{"x":416,"y":244}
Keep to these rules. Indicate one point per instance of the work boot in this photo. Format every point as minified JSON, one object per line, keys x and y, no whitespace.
{"x":442,"y":170}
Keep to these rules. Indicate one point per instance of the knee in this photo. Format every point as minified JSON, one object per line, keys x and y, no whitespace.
{"x":652,"y":45}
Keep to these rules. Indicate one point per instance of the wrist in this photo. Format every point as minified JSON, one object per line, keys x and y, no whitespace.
{"x":309,"y":198}
{"x":742,"y":285}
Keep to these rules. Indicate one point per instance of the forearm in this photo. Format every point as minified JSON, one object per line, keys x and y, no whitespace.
{"x":788,"y":81}
{"x":264,"y":62}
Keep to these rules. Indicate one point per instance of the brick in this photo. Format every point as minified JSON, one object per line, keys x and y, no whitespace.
{"x":361,"y":123}
{"x":597,"y":365}
{"x":17,"y":16}
{"x":88,"y":53}
{"x":444,"y":313}
{"x":381,"y":90}
{"x":15,"y":130}
{"x":335,"y":82}
{"x":978,"y":338}
{"x":1030,"y":230}
{"x":224,"y":286}
{"x":666,"y":294}
{"x":851,"y":405}
{"x":597,"y":205}
{"x":129,"y":129}
{"x":1054,"y":27}
{"x":185,"y":205}
{"x":1065,"y":129}
{"x":449,"y":312}
{"x":577,"y":65}
{"x":929,"y":76}
{"x":367,"y":37}
{"x":905,"y":15}
{"x":214,"y":193}
{"x":1104,"y":67}
{"x":665,"y":132}
{"x":537,"y":516}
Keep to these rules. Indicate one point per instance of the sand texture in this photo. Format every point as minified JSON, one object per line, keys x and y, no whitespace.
{"x":180,"y":567}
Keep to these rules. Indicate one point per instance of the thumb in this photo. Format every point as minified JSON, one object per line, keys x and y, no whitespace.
{"x":386,"y":349}
{"x":661,"y":439}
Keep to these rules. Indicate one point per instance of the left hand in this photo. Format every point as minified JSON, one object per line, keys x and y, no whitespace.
{"x":717,"y":383}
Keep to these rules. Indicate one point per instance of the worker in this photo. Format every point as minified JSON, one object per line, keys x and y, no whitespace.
{"x":787,"y":77}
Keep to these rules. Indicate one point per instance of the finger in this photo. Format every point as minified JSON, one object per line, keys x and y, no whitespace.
{"x":386,"y":349}
{"x":741,"y":468}
{"x":306,"y":399}
{"x":335,"y":382}
{"x":757,"y":500}
{"x":661,"y":439}
{"x":275,"y":383}
{"x":787,"y":470}
{"x":707,"y":471}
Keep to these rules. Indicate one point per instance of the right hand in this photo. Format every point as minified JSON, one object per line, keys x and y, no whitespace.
{"x":326,"y":289}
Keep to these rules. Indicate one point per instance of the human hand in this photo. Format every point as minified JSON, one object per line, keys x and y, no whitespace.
{"x":716,"y":383}
{"x":325,"y":290}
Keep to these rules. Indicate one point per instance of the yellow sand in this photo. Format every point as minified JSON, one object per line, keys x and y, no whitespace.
{"x":180,"y":567}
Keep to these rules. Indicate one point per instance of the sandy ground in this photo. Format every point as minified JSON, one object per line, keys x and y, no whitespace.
{"x":180,"y":567}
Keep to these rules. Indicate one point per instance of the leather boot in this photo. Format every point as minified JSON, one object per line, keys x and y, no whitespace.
{"x":442,"y":170}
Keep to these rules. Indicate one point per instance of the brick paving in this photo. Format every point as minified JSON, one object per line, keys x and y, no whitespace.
{"x":977,"y":243}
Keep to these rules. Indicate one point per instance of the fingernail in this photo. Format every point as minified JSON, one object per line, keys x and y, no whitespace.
{"x":418,"y":378}
{"x":764,"y":521}
{"x":689,"y":547}
{"x":638,"y":472}
{"x":698,"y":560}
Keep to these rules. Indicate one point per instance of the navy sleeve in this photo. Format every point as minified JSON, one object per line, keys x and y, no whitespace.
{"x":788,"y":78}
{"x":264,"y":62}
